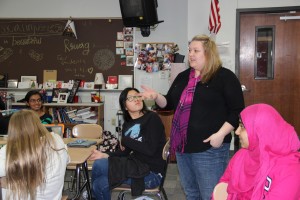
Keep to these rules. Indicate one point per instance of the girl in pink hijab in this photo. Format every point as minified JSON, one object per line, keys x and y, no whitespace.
{"x":268,"y":164}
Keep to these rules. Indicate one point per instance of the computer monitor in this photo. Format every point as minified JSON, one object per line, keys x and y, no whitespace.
{"x":56,"y":128}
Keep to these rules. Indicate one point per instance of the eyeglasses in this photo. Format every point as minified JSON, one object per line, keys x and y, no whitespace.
{"x":132,"y":98}
{"x":241,"y":124}
{"x":35,"y":100}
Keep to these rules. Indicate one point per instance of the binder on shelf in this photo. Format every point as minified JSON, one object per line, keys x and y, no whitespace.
{"x":74,"y":91}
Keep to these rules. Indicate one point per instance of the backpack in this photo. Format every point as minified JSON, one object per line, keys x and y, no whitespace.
{"x":110,"y":142}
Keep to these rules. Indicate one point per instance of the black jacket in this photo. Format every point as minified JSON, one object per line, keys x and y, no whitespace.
{"x":122,"y":168}
{"x":2,"y":104}
{"x":218,"y":101}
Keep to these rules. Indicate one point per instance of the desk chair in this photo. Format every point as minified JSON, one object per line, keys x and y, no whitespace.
{"x":155,"y":191}
{"x":85,"y":131}
{"x":88,"y":131}
{"x":220,"y":191}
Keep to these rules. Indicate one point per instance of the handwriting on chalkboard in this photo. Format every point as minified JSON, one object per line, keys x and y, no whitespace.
{"x":35,"y":55}
{"x":29,"y":46}
{"x":33,"y":28}
{"x":26,"y":41}
{"x":71,"y":46}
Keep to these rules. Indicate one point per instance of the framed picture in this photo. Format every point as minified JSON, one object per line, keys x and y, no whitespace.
{"x":88,"y":85}
{"x":28,"y":78}
{"x":119,"y":43}
{"x":120,"y":36}
{"x":55,"y":93}
{"x":62,"y":98}
{"x":128,"y":45}
{"x":119,"y":51}
{"x":129,"y":52}
{"x":128,"y":38}
{"x":128,"y":30}
{"x":125,"y":81}
{"x":129,"y":61}
{"x":112,"y":80}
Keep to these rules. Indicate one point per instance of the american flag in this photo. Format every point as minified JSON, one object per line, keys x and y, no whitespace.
{"x":214,"y":17}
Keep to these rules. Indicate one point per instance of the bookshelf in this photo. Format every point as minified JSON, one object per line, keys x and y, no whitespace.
{"x":110,"y":105}
{"x":97,"y":108}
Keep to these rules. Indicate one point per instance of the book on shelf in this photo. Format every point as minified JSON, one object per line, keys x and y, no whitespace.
{"x":73,"y":115}
{"x":88,"y":115}
{"x":58,"y":116}
{"x":90,"y":121}
{"x":83,"y":110}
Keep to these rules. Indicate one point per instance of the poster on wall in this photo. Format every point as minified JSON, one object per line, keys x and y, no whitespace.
{"x":154,"y":57}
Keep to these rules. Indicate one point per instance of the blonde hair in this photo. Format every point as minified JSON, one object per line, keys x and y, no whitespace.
{"x":28,"y":144}
{"x":213,"y":61}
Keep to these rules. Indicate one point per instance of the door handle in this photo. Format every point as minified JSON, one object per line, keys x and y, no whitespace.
{"x":245,"y":89}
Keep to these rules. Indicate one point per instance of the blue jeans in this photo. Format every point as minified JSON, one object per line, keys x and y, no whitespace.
{"x":100,"y":185}
{"x":200,"y":172}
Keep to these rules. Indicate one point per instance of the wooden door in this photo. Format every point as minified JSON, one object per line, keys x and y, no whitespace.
{"x":283,"y":91}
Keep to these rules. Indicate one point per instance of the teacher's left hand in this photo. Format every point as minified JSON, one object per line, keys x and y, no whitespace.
{"x":215,"y":140}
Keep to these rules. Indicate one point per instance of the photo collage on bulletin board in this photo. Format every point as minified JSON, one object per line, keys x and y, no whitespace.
{"x":153,"y":57}
{"x":124,"y":46}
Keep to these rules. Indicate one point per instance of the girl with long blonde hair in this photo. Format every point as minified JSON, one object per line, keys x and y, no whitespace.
{"x":33,"y":161}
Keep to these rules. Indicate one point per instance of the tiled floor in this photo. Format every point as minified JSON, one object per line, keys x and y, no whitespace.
{"x":172,"y":185}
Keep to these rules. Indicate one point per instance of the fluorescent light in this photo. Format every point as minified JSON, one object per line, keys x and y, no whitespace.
{"x":289,"y":17}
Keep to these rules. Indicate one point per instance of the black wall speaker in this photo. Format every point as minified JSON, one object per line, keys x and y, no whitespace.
{"x":139,"y":13}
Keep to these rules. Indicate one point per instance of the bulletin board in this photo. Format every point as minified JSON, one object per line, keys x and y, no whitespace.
{"x":27,"y":47}
{"x":153,"y":65}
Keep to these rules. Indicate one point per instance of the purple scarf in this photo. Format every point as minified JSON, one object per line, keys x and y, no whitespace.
{"x":182,"y":115}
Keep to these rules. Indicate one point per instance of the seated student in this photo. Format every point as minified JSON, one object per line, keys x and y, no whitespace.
{"x":3,"y":119}
{"x":34,"y":100}
{"x":2,"y":104}
{"x":268,"y":164}
{"x":4,"y":124}
{"x":33,"y":161}
{"x":143,"y":139}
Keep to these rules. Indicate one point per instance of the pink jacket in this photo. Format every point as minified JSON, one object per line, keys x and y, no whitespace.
{"x":270,"y":167}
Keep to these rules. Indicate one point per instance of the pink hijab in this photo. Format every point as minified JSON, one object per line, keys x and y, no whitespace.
{"x":271,"y":139}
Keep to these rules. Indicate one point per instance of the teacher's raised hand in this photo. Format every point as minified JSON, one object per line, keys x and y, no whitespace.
{"x":148,"y":93}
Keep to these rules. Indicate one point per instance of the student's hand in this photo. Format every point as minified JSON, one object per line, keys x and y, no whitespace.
{"x":148,"y":93}
{"x":98,"y":155}
{"x":215,"y":140}
{"x":122,"y":147}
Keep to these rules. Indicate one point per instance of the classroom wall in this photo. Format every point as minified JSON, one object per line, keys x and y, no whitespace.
{"x":182,"y":18}
{"x":198,"y":21}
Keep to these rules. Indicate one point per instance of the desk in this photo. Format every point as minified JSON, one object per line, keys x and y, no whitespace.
{"x":79,"y":158}
{"x":68,"y":140}
{"x":3,"y":140}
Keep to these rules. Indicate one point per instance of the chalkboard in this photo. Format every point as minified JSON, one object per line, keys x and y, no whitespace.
{"x":27,"y":47}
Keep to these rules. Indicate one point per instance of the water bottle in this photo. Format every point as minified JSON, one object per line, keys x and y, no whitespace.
{"x":8,"y":102}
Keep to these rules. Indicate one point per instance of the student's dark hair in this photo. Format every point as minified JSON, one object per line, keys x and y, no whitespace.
{"x":32,"y":92}
{"x":122,"y":102}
